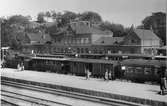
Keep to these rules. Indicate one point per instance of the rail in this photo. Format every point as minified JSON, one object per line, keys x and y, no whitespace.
{"x":101,"y":100}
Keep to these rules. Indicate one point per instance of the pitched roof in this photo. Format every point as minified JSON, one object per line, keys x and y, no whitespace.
{"x":108,"y":40}
{"x":142,"y":62}
{"x":146,"y":34}
{"x":39,"y":37}
{"x":87,"y":29}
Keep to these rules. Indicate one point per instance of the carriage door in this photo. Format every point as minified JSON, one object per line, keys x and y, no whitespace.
{"x":89,"y":67}
{"x":107,"y":68}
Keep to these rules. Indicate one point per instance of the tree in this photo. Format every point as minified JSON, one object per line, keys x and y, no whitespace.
{"x":48,"y":14}
{"x":93,"y":17}
{"x":18,"y":19}
{"x":156,"y":22}
{"x":67,"y":17}
{"x":117,"y":29}
{"x":11,"y":28}
{"x":40,"y":17}
{"x":53,"y":14}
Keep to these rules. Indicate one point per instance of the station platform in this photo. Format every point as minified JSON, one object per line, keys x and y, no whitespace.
{"x":128,"y":91}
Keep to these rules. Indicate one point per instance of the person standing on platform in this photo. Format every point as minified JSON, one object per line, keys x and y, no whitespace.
{"x":87,"y":73}
{"x":22,"y":66}
{"x":18,"y":67}
{"x":110,"y":75}
{"x":106,"y":75}
{"x":163,"y":82}
{"x":162,"y":85}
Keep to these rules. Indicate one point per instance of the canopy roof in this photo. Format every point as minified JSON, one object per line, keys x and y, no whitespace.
{"x":142,"y":62}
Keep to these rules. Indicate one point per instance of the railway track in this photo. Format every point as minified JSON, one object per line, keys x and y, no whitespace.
{"x":28,"y":100}
{"x":42,"y":102}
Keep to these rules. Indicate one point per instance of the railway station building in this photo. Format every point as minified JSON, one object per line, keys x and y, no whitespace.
{"x":83,"y":37}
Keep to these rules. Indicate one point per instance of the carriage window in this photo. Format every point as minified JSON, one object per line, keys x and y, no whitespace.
{"x":130,"y":70}
{"x":138,"y":70}
{"x":147,"y":70}
{"x":155,"y":71}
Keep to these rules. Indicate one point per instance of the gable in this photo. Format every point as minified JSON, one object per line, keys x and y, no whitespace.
{"x":38,"y":37}
{"x":131,"y":39}
{"x":146,"y":34}
{"x":108,"y":41}
{"x":88,"y":29}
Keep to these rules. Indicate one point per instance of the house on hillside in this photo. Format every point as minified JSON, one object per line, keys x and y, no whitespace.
{"x":141,"y":41}
{"x":79,"y":37}
{"x":108,"y":45}
{"x":38,"y":38}
{"x":36,"y":42}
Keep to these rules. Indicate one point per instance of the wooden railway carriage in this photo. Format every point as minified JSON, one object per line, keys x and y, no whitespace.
{"x":57,"y":65}
{"x":140,"y":70}
{"x":97,"y":67}
{"x":75,"y":66}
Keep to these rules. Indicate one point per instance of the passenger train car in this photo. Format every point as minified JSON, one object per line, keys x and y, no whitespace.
{"x":138,"y":70}
{"x":75,"y":66}
{"x":111,"y":56}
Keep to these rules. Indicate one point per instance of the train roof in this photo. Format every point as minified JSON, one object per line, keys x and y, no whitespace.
{"x":49,"y":55}
{"x":77,"y":60}
{"x":116,"y":54}
{"x":161,"y":57}
{"x":142,"y":62}
{"x":93,"y":61}
{"x":49,"y":58}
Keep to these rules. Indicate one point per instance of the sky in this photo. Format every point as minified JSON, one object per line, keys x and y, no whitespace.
{"x":125,"y":12}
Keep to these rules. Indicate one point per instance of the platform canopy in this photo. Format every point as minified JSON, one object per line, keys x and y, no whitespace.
{"x":5,"y":48}
{"x":142,"y":62}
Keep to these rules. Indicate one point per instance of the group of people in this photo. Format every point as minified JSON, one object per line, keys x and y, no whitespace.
{"x":20,"y":66}
{"x":108,"y":75}
{"x":3,"y":64}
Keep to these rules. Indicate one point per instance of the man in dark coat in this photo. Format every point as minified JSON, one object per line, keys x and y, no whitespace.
{"x":162,"y":80}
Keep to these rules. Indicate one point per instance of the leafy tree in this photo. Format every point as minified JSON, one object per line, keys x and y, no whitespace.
{"x":53,"y":14}
{"x":67,"y":17}
{"x":117,"y":29}
{"x":11,"y":28}
{"x":18,"y":19}
{"x":48,"y":14}
{"x":156,"y":22}
{"x":40,"y":17}
{"x":93,"y":17}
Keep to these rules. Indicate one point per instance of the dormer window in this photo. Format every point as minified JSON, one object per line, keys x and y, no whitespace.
{"x":133,"y":41}
{"x":116,"y":42}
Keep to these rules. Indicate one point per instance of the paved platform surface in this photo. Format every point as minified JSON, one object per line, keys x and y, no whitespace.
{"x":144,"y":91}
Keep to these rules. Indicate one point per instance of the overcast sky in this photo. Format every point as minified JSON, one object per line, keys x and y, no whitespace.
{"x":126,"y":12}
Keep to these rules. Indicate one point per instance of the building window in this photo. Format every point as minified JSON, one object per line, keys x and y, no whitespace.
{"x":69,"y":40}
{"x":102,"y":41}
{"x":62,"y":50}
{"x":147,"y":71}
{"x":132,"y":50}
{"x":87,"y":50}
{"x":95,"y":50}
{"x":78,"y":50}
{"x":133,"y":41}
{"x":82,"y":50}
{"x":55,"y":40}
{"x":82,"y":40}
{"x":86,"y":40}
